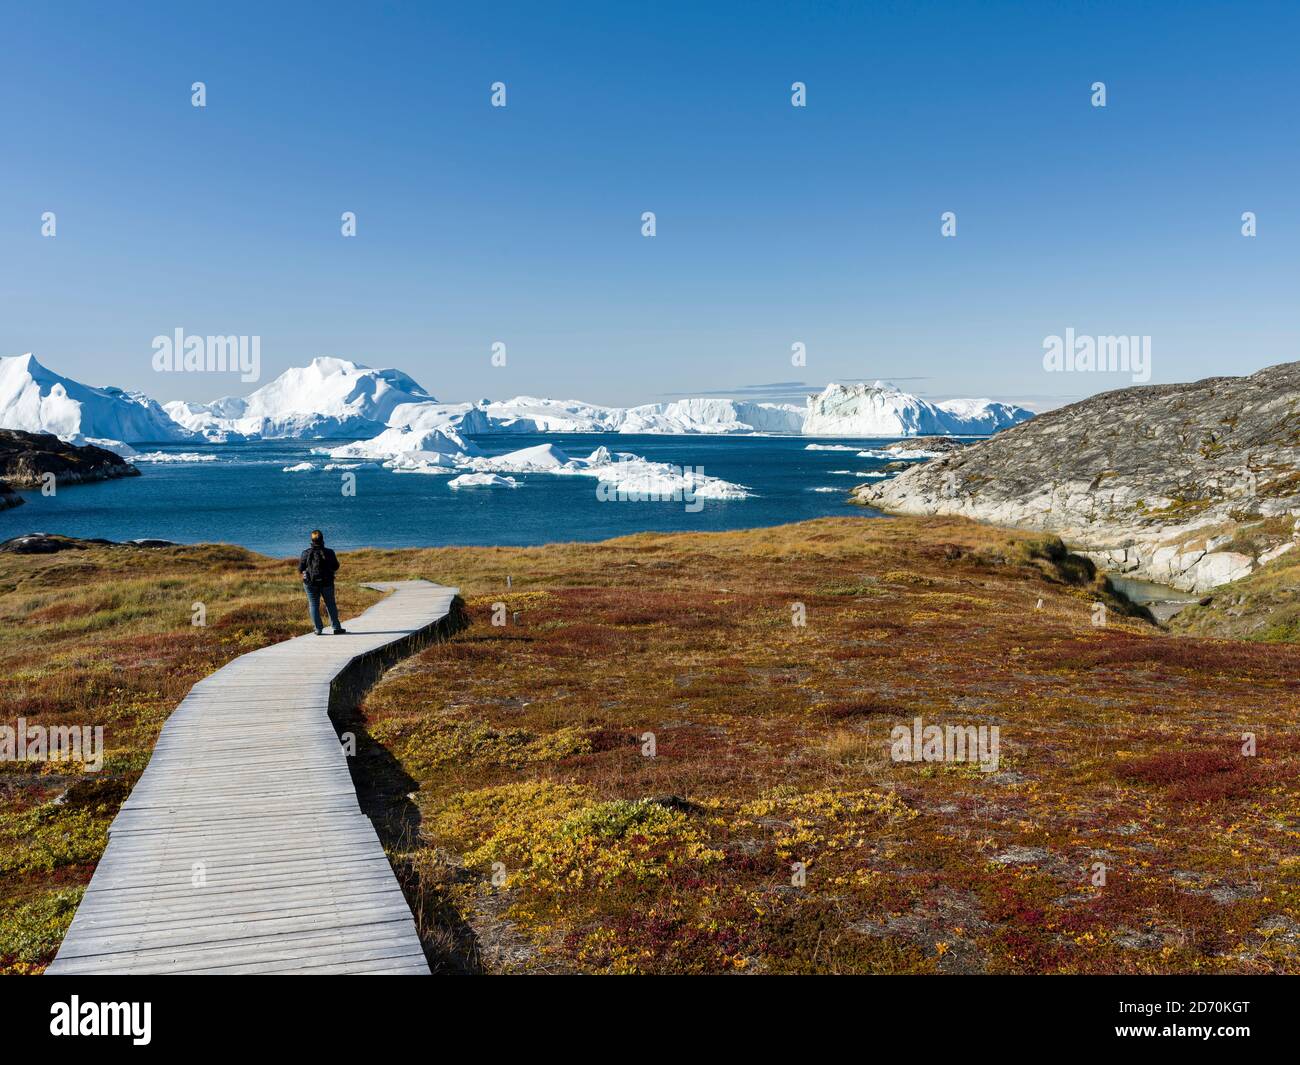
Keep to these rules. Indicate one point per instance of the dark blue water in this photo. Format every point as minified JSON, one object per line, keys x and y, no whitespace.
{"x":245,"y":498}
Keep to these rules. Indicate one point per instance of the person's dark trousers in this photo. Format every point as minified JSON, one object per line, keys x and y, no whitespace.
{"x":315,"y":593}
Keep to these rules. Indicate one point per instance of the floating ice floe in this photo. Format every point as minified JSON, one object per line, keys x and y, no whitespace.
{"x":899,"y":453}
{"x":172,"y":456}
{"x":301,"y":467}
{"x":424,"y":462}
{"x":432,"y":448}
{"x":120,"y":449}
{"x":351,"y":466}
{"x":482,"y":480}
{"x":829,"y":447}
{"x":634,"y":479}
{"x":826,"y":488}
{"x":620,"y":475}
{"x":420,"y":467}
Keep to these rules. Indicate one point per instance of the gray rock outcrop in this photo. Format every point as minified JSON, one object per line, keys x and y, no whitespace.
{"x":1191,"y":485}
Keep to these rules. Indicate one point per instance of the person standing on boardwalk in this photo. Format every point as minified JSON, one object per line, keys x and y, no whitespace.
{"x":317,"y":565}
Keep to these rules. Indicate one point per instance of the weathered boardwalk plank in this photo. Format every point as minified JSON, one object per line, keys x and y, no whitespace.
{"x":242,"y":848}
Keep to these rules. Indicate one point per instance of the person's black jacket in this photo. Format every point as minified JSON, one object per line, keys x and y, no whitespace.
{"x":325,"y":566}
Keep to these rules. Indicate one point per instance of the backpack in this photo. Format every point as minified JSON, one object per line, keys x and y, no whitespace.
{"x":316,"y":568}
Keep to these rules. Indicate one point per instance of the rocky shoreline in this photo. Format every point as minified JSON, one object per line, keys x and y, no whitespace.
{"x":27,"y":459}
{"x":39,"y":543}
{"x":1191,"y":485}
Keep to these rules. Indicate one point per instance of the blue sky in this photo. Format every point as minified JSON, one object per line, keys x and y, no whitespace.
{"x":775,"y":224}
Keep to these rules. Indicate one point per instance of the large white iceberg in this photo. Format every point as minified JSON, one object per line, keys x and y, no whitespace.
{"x":327,"y":398}
{"x":839,"y":410}
{"x":714,"y":416}
{"x":883,"y":410}
{"x":38,"y":400}
{"x":530,"y":414}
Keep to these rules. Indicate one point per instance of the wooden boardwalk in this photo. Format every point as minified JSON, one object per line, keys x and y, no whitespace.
{"x":242,"y":848}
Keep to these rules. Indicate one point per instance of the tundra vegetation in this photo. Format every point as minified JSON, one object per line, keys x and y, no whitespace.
{"x":655,"y":770}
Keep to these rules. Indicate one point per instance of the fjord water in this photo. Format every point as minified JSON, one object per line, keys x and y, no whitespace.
{"x":245,"y":498}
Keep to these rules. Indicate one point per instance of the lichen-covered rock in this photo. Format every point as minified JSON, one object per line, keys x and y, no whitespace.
{"x":1158,"y":482}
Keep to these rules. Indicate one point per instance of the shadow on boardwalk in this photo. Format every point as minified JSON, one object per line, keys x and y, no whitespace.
{"x":385,"y":793}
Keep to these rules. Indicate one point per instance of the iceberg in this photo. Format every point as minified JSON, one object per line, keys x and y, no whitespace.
{"x":883,"y":410}
{"x":530,"y":414}
{"x":482,"y":480}
{"x":984,"y":417}
{"x":899,"y":453}
{"x":38,"y":400}
{"x":635,"y":479}
{"x":329,"y":397}
{"x":118,"y":447}
{"x":411,"y":448}
{"x":620,"y":475}
{"x":543,"y":457}
{"x":839,"y":410}
{"x":173,"y":456}
{"x":383,"y":415}
{"x":715,"y":416}
{"x":419,"y":466}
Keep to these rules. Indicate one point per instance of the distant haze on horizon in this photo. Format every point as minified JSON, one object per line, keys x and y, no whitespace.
{"x":775,"y":225}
